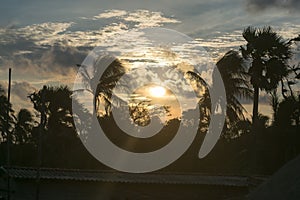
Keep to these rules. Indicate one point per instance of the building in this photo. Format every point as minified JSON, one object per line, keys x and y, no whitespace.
{"x":62,"y":184}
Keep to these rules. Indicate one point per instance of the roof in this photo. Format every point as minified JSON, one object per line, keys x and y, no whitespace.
{"x":120,"y":177}
{"x":284,"y":184}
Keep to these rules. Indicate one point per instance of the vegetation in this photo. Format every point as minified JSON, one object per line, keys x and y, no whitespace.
{"x":268,"y":54}
{"x":258,"y":146}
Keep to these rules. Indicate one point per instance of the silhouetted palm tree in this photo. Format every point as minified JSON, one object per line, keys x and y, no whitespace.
{"x":103,"y":85}
{"x":59,"y":136}
{"x":202,"y":92}
{"x":267,"y":54}
{"x":236,"y":82}
{"x":23,"y":127}
{"x":286,"y":111}
{"x":58,"y":103}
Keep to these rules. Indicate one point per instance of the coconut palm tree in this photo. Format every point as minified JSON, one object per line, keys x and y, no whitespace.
{"x":236,"y":82}
{"x":59,"y":137}
{"x":58,"y":102}
{"x":202,"y":91}
{"x":102,"y":82}
{"x":267,"y":54}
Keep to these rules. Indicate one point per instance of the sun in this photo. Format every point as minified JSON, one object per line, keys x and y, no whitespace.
{"x":157,"y":91}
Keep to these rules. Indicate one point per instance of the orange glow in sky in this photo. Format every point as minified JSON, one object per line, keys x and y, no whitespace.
{"x":157,"y":91}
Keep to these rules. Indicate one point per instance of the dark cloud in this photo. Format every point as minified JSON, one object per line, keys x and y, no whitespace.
{"x":60,"y":57}
{"x":58,"y":60}
{"x":22,"y":89}
{"x":19,"y":93}
{"x":23,"y":53}
{"x":259,"y":5}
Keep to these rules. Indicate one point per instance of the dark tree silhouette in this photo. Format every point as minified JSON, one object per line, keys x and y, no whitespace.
{"x":58,"y":109}
{"x":268,"y":54}
{"x":236,"y":82}
{"x":202,"y":91}
{"x":5,"y":105}
{"x":60,"y":140}
{"x":233,"y":72}
{"x":103,"y":85}
{"x":23,"y":127}
{"x":288,"y":113}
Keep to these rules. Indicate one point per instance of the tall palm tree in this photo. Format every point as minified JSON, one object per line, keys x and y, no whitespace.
{"x":103,"y":84}
{"x":267,"y":54}
{"x":236,"y":82}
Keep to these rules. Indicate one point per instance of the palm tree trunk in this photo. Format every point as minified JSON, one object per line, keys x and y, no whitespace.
{"x":255,"y":105}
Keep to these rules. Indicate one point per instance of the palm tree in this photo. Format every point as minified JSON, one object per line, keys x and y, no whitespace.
{"x":235,"y":79}
{"x":201,"y":89}
{"x":59,"y":129}
{"x":267,"y":54}
{"x":236,"y":82}
{"x":103,"y":84}
{"x":58,"y":102}
{"x":23,"y":127}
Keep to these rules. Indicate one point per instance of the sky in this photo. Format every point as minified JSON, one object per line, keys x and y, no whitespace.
{"x":42,"y":41}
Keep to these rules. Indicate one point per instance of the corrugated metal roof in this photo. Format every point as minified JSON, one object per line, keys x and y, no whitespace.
{"x":119,"y":177}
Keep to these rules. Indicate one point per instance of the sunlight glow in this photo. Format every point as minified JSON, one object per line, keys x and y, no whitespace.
{"x":157,"y":91}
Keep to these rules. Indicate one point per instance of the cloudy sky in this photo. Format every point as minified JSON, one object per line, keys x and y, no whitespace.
{"x":42,"y":41}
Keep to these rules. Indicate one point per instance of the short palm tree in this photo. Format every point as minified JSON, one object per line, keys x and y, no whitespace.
{"x":58,"y":106}
{"x":23,"y":127}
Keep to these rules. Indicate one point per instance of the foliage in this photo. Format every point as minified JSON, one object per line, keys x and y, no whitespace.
{"x":23,"y":127}
{"x":236,"y":82}
{"x":262,"y":66}
{"x":5,"y":125}
{"x":267,"y":54}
